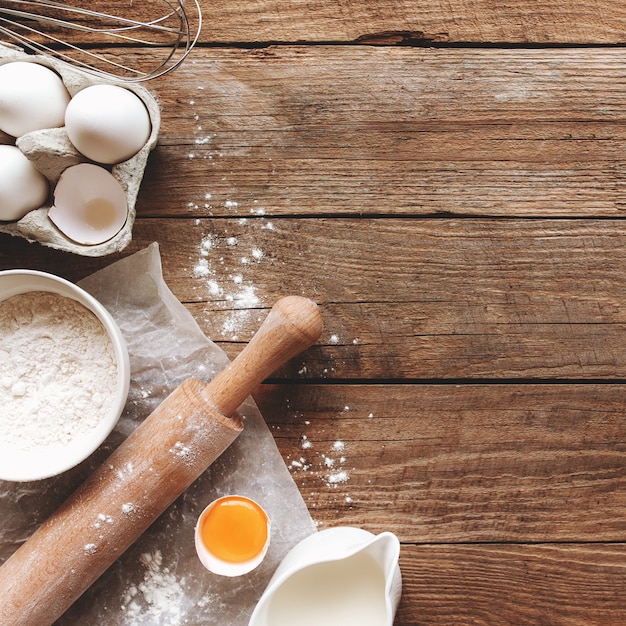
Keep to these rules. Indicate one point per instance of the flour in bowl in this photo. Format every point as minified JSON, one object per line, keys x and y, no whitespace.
{"x":58,"y":371}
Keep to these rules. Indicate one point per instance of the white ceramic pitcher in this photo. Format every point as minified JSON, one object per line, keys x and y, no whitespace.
{"x":339,"y":576}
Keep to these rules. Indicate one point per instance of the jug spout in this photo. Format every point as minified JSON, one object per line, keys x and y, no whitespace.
{"x":385,"y":548}
{"x":341,"y":575}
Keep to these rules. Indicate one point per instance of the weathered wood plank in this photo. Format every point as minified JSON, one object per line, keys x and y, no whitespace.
{"x":573,"y":585}
{"x":402,"y":298}
{"x":335,"y":130}
{"x":549,"y":21}
{"x":384,"y":22}
{"x":457,"y":463}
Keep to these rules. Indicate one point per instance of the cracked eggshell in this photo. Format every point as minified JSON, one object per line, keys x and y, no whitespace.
{"x":51,"y":152}
{"x":89,"y":205}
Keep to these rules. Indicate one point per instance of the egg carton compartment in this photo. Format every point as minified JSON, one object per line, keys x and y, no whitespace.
{"x":51,"y":152}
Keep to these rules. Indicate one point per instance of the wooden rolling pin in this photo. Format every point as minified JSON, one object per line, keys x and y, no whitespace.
{"x":146,"y":473}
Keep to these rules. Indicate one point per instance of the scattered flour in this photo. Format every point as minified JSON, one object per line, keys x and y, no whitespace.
{"x":339,"y":446}
{"x":158,"y":599}
{"x":102,"y":518}
{"x":227,"y":277}
{"x":58,"y":372}
{"x":338,"y":477}
{"x":125,"y":472}
{"x":180,"y":450}
{"x":331,"y":467}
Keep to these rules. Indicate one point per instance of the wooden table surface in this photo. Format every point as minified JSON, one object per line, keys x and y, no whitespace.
{"x":447,"y":181}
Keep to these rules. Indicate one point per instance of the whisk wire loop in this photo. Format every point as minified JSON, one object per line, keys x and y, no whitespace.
{"x":39,"y":24}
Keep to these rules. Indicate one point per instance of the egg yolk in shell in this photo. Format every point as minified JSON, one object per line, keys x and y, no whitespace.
{"x":235,"y":529}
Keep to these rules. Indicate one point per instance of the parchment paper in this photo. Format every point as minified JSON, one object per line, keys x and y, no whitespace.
{"x":160,"y":580}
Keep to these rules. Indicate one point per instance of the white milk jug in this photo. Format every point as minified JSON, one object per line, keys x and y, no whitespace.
{"x":340,"y":576}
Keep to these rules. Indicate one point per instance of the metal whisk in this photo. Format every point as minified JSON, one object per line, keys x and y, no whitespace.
{"x":97,"y":42}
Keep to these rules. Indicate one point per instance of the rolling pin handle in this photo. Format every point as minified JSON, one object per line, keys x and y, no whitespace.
{"x":293,"y":325}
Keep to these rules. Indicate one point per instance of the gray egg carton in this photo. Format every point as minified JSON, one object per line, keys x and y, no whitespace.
{"x":51,"y":152}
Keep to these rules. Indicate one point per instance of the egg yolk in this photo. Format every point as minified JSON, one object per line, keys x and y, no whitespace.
{"x":234,"y":529}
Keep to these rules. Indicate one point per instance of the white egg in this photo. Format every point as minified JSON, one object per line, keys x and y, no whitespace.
{"x":107,"y":124}
{"x":32,"y":97}
{"x":90,"y":206}
{"x":22,"y":187}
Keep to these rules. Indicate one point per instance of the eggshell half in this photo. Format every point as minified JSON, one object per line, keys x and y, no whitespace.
{"x":32,"y":97}
{"x":90,"y":206}
{"x":22,"y":187}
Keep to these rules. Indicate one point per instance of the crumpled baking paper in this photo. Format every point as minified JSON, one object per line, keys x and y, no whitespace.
{"x":159,"y":581}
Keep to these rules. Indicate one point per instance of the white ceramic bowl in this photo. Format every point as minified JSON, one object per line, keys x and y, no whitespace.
{"x":45,"y":461}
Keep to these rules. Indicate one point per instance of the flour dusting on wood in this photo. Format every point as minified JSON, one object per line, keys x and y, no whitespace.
{"x":226,"y":265}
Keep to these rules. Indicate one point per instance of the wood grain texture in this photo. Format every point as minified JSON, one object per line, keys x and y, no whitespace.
{"x":573,"y":585}
{"x":334,"y":130}
{"x":458,"y":463}
{"x":386,"y":22}
{"x":435,"y":298}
